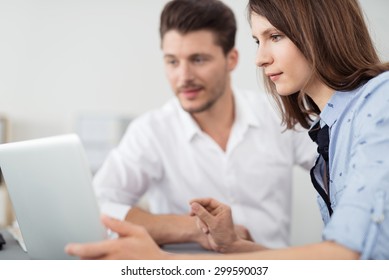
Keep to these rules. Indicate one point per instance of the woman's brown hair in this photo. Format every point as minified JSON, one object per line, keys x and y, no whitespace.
{"x":334,"y":38}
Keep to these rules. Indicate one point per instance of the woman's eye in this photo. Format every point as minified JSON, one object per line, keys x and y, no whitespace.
{"x":275,"y":37}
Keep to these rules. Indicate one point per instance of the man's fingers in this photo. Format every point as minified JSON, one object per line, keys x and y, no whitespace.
{"x":202,"y":226}
{"x":243,"y":232}
{"x":213,"y":206}
{"x":208,"y":203}
{"x":203,"y":201}
{"x":201,"y":213}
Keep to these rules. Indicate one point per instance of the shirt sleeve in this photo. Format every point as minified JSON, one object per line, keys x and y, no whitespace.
{"x":128,"y":170}
{"x":305,"y":150}
{"x":361,"y":219}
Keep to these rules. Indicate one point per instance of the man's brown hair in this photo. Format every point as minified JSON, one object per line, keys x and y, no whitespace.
{"x":187,"y":16}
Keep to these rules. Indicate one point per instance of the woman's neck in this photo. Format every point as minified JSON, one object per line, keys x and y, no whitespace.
{"x":320,"y":94}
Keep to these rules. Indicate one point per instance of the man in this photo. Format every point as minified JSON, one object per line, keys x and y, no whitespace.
{"x":211,"y":140}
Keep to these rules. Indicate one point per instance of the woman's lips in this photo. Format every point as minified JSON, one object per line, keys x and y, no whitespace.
{"x":275,"y":77}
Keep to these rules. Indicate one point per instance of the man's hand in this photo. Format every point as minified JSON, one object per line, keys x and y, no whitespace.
{"x":206,"y":241}
{"x":215,"y":220}
{"x":243,"y":233}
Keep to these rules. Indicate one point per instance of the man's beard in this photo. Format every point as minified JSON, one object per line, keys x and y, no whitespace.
{"x":202,"y":108}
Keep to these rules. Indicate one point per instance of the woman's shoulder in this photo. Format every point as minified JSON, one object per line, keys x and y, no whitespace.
{"x":373,"y":97}
{"x":382,"y":80}
{"x":375,"y":90}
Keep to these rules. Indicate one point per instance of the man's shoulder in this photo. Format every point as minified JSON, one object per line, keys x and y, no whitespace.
{"x":255,"y":98}
{"x":259,"y":103}
{"x":250,"y":93}
{"x":164,"y":116}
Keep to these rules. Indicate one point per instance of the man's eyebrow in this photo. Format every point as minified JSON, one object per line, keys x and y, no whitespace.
{"x":200,"y":54}
{"x":167,"y":55}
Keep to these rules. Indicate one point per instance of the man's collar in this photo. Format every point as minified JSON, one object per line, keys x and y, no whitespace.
{"x":243,"y":115}
{"x":189,"y":125}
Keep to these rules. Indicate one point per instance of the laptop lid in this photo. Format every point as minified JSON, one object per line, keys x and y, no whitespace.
{"x":50,"y":187}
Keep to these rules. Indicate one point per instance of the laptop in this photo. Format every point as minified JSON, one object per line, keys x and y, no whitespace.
{"x":50,"y":187}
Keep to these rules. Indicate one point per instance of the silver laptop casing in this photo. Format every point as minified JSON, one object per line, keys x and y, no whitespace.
{"x":50,"y":186}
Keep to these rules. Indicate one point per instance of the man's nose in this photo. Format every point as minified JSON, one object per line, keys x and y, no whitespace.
{"x":185,"y":72}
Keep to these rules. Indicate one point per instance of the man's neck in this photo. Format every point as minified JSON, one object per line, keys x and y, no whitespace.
{"x":217,"y":121}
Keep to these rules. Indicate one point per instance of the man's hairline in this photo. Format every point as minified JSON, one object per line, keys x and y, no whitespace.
{"x":214,"y":35}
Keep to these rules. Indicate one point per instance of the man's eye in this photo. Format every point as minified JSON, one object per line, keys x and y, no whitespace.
{"x":171,"y":62}
{"x":198,"y":59}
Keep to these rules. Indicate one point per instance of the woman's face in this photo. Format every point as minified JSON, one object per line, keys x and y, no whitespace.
{"x":282,"y":62}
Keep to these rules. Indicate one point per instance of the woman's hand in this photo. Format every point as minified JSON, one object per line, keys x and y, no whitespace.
{"x":133,"y":243}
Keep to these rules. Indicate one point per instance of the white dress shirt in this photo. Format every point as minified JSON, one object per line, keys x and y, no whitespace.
{"x":165,"y":153}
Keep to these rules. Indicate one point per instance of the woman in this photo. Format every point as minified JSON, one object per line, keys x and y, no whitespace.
{"x":318,"y":60}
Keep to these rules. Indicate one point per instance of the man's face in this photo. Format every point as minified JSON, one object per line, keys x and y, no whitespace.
{"x":197,"y":68}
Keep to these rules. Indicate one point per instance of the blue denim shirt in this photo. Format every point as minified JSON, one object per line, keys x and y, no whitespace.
{"x":359,"y":169}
